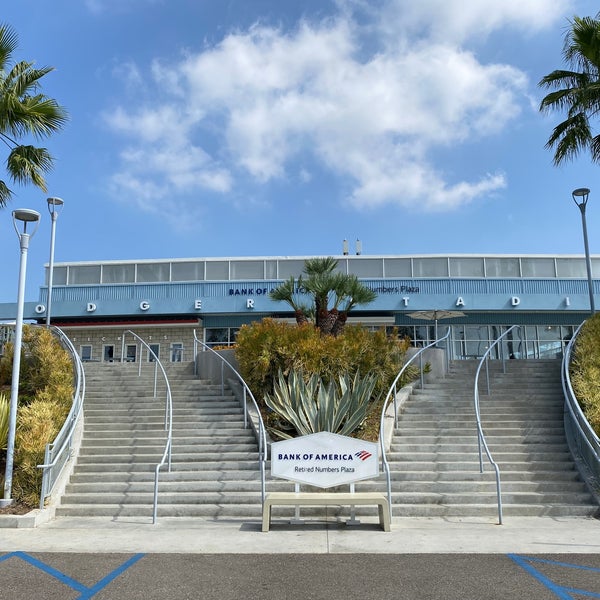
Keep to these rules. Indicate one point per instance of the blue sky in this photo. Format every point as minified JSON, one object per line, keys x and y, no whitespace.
{"x":204,"y":128}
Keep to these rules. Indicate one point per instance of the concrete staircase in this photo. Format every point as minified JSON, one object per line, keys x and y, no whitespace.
{"x":434,"y":457}
{"x":215,"y":469}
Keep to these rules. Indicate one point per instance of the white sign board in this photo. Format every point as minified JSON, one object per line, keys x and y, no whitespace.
{"x":324,"y":459}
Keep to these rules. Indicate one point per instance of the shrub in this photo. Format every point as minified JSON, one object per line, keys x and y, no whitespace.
{"x":4,"y":416}
{"x":45,"y":395}
{"x":267,"y":347}
{"x":45,"y":365}
{"x":38,"y":424}
{"x":585,"y":370}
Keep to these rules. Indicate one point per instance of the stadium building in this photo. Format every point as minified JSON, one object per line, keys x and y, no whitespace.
{"x":166,"y":301}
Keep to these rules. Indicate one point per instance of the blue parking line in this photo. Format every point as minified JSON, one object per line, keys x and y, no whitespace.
{"x":562,"y":592}
{"x":106,"y":580}
{"x":86,"y":592}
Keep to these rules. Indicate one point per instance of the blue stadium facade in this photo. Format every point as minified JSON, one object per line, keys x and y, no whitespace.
{"x":169,"y":299}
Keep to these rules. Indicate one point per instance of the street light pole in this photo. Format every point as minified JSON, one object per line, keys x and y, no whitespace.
{"x":54,"y":205}
{"x":580,"y":197}
{"x":24,"y":216}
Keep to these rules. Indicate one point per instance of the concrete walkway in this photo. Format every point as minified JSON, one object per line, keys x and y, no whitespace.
{"x":562,"y":535}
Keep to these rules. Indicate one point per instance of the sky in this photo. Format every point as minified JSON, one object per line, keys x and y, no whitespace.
{"x":210,"y":128}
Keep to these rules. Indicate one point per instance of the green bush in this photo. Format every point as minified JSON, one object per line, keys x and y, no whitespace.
{"x":4,"y":415}
{"x":585,"y":370}
{"x":45,"y":396}
{"x":267,"y":347}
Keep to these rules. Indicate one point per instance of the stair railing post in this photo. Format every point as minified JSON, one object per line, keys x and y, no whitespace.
{"x":155,"y":375}
{"x":222,"y":378}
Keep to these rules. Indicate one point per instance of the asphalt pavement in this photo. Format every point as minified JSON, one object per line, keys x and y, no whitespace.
{"x":537,"y":558}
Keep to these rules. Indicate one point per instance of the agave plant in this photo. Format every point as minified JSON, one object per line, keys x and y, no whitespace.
{"x":312,"y":405}
{"x":4,"y":415}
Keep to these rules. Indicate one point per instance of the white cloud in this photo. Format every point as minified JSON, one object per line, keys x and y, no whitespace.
{"x":374,"y":115}
{"x":460,"y":21}
{"x":104,"y":6}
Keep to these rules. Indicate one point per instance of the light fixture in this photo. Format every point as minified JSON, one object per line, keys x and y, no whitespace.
{"x":54,"y":206}
{"x":580,"y":197}
{"x":22,"y":217}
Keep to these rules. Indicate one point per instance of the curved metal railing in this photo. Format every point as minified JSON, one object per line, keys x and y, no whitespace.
{"x":58,"y":452}
{"x":166,"y":457}
{"x":583,"y":440}
{"x":392,"y":396}
{"x":481,"y":441}
{"x":261,"y":431}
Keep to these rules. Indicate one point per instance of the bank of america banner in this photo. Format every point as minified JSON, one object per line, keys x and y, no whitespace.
{"x":324,"y":459}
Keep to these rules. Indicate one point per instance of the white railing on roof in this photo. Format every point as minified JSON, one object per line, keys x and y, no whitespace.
{"x":58,"y":452}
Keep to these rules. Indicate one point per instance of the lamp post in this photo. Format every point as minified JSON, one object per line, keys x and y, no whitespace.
{"x":54,"y":206}
{"x":580,"y":197}
{"x":24,"y":216}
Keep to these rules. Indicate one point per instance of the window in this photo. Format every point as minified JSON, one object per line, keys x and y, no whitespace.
{"x":108,"y":353}
{"x":176,"y":352}
{"x":365,"y":267}
{"x":247,"y":269}
{"x":130,"y":353}
{"x":466,"y":267}
{"x":118,"y":273}
{"x":502,"y":267}
{"x":289,"y":268}
{"x":85,"y":352}
{"x":571,"y":267}
{"x":397,"y":267}
{"x":149,"y":272}
{"x":60,"y":276}
{"x":156,"y":349}
{"x":84,"y":274}
{"x":430,"y":267}
{"x":217,"y":270}
{"x":538,"y":267}
{"x":187,"y":271}
{"x":220,"y":336}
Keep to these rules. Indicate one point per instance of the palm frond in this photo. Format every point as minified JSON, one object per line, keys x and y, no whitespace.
{"x":9,"y":41}
{"x":28,"y":164}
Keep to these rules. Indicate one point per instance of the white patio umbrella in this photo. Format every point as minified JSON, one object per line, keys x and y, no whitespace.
{"x":436,"y":315}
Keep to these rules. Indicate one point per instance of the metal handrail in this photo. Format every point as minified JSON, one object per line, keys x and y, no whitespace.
{"x":582,"y":439}
{"x":261,"y":434}
{"x":481,"y":441}
{"x":54,"y":456}
{"x":166,"y":457}
{"x":392,"y":395}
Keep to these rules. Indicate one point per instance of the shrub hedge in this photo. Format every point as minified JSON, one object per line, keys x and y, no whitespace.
{"x":585,"y":370}
{"x":45,"y":395}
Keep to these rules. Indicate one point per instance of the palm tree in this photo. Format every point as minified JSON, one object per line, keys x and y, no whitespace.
{"x":576,"y":91}
{"x":355,"y":293}
{"x":24,"y":111}
{"x":286,"y":292}
{"x":329,"y":291}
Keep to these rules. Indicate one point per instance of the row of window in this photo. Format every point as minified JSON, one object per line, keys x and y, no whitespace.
{"x":466,"y":341}
{"x":132,"y":353}
{"x":362,"y":267}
